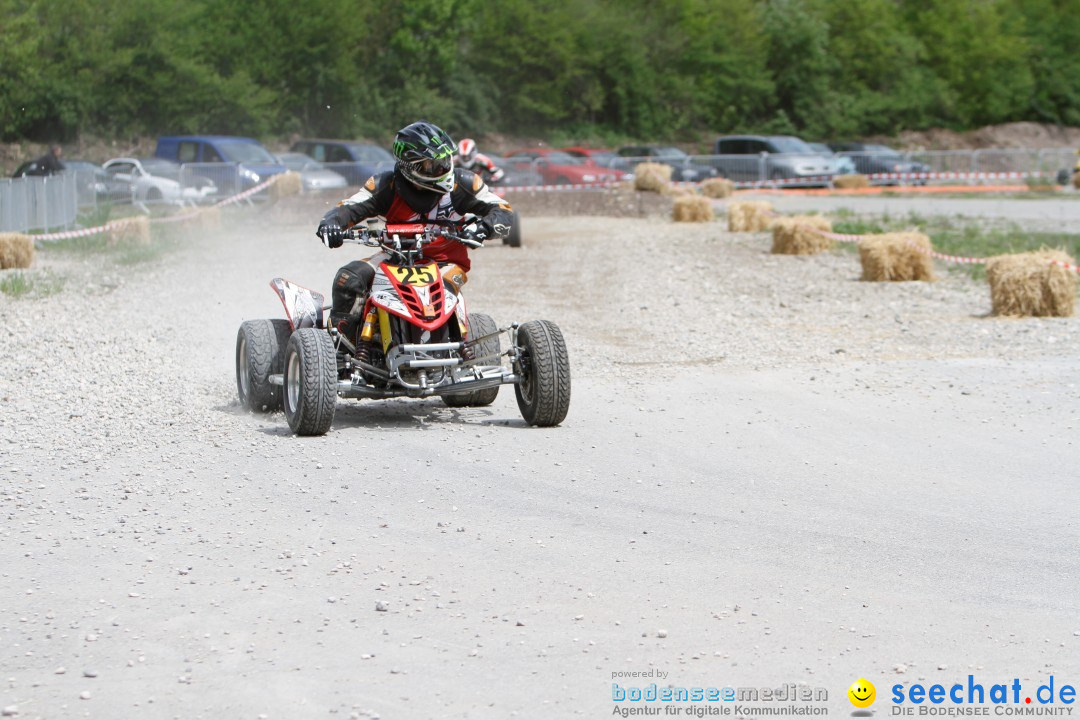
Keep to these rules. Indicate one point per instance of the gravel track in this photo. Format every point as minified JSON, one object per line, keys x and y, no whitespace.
{"x":824,"y":480}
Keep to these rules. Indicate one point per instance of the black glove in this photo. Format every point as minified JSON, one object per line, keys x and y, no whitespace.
{"x":480,"y":230}
{"x":331,"y":233}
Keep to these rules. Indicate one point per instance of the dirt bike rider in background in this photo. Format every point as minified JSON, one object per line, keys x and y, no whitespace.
{"x":470,"y":158}
{"x":423,"y":186}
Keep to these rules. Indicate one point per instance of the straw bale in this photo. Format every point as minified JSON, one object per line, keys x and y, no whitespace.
{"x":753,"y":216}
{"x":896,"y":257}
{"x":717,"y":188}
{"x":652,"y":177}
{"x":799,"y":235}
{"x":209,"y":217}
{"x":1027,"y":285}
{"x":287,"y":183}
{"x":851,"y":182}
{"x":692,"y":208}
{"x":131,"y":231}
{"x":16,"y":251}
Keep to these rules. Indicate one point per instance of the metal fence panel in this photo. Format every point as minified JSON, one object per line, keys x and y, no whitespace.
{"x":356,"y":173}
{"x":740,"y":168}
{"x":13,"y":206}
{"x":225,"y":177}
{"x":38,"y":203}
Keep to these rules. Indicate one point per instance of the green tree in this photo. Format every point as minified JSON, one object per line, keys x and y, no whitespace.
{"x":979,"y":55}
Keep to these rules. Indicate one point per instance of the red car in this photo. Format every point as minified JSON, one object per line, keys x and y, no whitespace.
{"x":560,"y":168}
{"x":598,"y":156}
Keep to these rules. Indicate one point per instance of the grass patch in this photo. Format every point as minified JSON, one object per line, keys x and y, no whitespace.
{"x":21,"y":283}
{"x":957,"y":238}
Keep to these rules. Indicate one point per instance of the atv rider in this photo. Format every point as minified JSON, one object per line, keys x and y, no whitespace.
{"x":470,"y":159}
{"x":422,"y":186}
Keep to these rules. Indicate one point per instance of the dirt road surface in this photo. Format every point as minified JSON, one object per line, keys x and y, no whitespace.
{"x":771,"y":473}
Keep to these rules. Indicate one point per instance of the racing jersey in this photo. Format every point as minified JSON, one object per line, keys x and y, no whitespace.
{"x":392,"y":197}
{"x":482,"y":163}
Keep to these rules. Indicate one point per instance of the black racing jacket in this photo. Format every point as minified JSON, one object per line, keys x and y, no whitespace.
{"x":390,"y":196}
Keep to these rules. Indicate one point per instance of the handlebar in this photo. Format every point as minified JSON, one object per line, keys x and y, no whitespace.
{"x":392,"y":241}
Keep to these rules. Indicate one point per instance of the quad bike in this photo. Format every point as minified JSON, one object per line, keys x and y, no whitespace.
{"x":417,"y":340}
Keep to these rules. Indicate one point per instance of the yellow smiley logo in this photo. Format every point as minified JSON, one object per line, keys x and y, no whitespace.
{"x":862,"y":693}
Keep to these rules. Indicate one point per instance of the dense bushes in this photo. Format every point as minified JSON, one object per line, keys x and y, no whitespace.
{"x":620,"y":68}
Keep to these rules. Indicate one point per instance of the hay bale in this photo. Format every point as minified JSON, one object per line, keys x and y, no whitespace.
{"x":209,"y":218}
{"x":130,"y":231}
{"x":851,"y":182}
{"x":754,"y":216}
{"x":899,"y":256}
{"x":285,"y":184}
{"x":692,"y":208}
{"x":717,"y":188}
{"x":652,"y":177}
{"x":1027,"y":284}
{"x":798,"y":235}
{"x":677,"y":191}
{"x":16,"y":251}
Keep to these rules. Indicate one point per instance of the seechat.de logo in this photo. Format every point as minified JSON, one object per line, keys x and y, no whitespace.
{"x":862,"y":693}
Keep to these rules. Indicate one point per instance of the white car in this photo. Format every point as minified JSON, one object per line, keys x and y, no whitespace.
{"x":156,"y":179}
{"x":313,"y":174}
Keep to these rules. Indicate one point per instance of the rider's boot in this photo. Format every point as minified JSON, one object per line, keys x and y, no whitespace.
{"x":347,"y":324}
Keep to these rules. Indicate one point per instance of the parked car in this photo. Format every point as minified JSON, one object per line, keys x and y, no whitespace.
{"x":155,"y":179}
{"x":842,"y":164}
{"x":770,"y":157}
{"x":255,"y":162}
{"x":682,"y":168}
{"x":871,"y":159}
{"x":517,"y":176}
{"x":93,"y":182}
{"x":30,"y":168}
{"x":313,"y":174}
{"x":355,"y":161}
{"x":559,"y":168}
{"x":602,"y":157}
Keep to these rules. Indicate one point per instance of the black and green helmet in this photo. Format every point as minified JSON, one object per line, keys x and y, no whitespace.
{"x":425,"y":156}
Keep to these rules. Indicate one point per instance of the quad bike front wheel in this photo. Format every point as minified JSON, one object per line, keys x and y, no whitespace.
{"x":260,"y":353}
{"x":309,"y":391}
{"x":479,"y":325}
{"x":543,"y":394}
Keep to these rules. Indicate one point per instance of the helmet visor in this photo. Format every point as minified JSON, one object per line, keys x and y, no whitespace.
{"x":433,"y":168}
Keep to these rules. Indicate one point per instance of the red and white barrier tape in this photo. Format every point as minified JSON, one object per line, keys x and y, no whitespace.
{"x":84,"y":232}
{"x":555,"y":188}
{"x":1067,"y":266}
{"x":179,"y":217}
{"x":249,"y":192}
{"x":955,"y":176}
{"x":961,"y":259}
{"x":814,"y":180}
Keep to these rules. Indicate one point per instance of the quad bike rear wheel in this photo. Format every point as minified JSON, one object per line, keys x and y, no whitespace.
{"x":513,"y":239}
{"x":543,"y":394}
{"x":260,"y":353}
{"x":309,"y":391}
{"x":479,"y":325}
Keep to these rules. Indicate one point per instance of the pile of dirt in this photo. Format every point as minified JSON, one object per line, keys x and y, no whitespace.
{"x":1008,"y":135}
{"x":91,"y":149}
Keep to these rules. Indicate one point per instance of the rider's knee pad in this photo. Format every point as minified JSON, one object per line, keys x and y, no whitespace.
{"x":354,"y":278}
{"x":454,"y":276}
